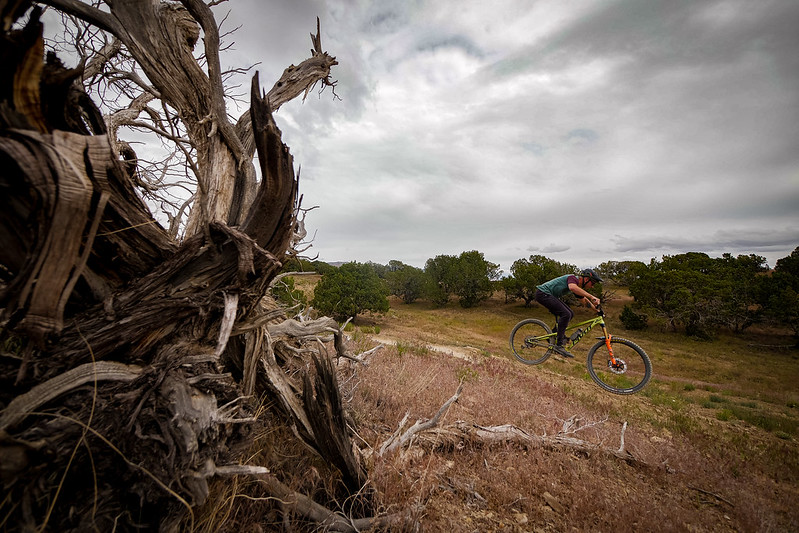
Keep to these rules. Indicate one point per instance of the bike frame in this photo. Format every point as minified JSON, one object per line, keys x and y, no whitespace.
{"x":588,"y":325}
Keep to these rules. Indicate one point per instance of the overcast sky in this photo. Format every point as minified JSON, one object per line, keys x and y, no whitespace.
{"x":585,"y":131}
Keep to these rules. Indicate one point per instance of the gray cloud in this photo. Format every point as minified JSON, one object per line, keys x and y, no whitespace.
{"x":718,"y":242}
{"x":552,"y":248}
{"x":614,"y":130}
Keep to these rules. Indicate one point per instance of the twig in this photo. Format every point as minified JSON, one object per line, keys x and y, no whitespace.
{"x":703,"y":491}
{"x":361,"y":357}
{"x":574,"y":424}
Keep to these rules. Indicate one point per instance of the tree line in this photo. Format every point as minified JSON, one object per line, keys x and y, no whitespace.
{"x":691,"y":292}
{"x":348,"y":290}
{"x":700,"y":295}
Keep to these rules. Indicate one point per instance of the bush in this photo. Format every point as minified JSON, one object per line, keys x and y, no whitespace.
{"x":407,"y":282}
{"x":468,"y":276}
{"x":286,"y":293}
{"x":632,"y":320}
{"x":349,"y":290}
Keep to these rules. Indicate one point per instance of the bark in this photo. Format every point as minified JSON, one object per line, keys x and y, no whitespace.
{"x":328,"y":421}
{"x":226,"y":180}
{"x":127,"y":358}
{"x":162,"y":36}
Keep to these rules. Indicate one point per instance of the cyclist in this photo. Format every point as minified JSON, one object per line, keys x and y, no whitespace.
{"x":549,"y":295}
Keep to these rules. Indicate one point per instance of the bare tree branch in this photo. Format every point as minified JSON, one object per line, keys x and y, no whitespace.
{"x":393,"y":443}
{"x":90,"y":14}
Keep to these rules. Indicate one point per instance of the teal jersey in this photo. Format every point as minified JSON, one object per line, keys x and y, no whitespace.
{"x":559,"y":286}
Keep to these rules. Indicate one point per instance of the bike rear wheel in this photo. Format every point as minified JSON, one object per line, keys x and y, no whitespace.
{"x":527,"y":343}
{"x":631,"y":373}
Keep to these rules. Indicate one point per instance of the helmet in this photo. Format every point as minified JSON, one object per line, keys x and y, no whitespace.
{"x":589,"y":273}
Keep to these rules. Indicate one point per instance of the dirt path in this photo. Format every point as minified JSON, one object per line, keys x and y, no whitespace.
{"x":468,"y":353}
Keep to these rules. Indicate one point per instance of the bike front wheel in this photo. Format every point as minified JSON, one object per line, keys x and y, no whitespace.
{"x":628,"y":375}
{"x":532,"y":341}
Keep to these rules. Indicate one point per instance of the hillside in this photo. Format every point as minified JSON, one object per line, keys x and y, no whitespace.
{"x":712,"y":439}
{"x":709,"y":445}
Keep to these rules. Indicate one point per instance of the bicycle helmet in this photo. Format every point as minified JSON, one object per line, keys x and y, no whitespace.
{"x":593,"y":276}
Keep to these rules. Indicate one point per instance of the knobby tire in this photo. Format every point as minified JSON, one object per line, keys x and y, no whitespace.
{"x":525,"y":348}
{"x":631,"y":379}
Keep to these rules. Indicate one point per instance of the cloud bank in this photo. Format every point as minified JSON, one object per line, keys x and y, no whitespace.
{"x":587,"y":132}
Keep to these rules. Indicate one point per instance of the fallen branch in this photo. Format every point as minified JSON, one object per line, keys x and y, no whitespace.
{"x":455,"y":435}
{"x":719,"y":498}
{"x":393,"y":443}
{"x":463,"y":431}
{"x":361,"y":357}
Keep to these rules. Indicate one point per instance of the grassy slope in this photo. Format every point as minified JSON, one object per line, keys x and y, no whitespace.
{"x":717,"y":425}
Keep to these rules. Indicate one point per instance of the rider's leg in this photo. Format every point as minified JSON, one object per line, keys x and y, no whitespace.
{"x":562,"y":312}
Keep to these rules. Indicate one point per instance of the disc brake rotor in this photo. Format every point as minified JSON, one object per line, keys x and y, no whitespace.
{"x":619,"y":368}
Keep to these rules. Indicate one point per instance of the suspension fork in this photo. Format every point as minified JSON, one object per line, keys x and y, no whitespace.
{"x":607,"y":343}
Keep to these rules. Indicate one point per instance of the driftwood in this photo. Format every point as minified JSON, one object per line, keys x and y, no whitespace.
{"x":130,"y":361}
{"x":461,"y":433}
{"x":454,"y":436}
{"x":397,"y":441}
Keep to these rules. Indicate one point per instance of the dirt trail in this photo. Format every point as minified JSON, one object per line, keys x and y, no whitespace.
{"x":468,"y":353}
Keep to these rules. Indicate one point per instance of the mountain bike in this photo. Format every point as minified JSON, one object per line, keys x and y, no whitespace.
{"x":617,"y":365}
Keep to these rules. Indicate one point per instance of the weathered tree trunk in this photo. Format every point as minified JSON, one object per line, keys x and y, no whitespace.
{"x":161,"y":36}
{"x":126,"y":357}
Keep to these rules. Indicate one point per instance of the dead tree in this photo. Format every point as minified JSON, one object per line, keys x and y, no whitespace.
{"x":129,"y":360}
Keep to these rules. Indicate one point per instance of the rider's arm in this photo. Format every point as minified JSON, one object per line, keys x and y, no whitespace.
{"x":579,"y":291}
{"x":588,"y":303}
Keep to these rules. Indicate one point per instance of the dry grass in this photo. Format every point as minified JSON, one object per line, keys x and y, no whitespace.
{"x":728,"y":465}
{"x":714,"y":434}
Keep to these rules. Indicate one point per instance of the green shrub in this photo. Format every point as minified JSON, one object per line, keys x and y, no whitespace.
{"x":416,"y":348}
{"x":285,"y":292}
{"x":632,"y":320}
{"x":766,"y":421}
{"x":724,"y":415}
{"x":349,"y":290}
